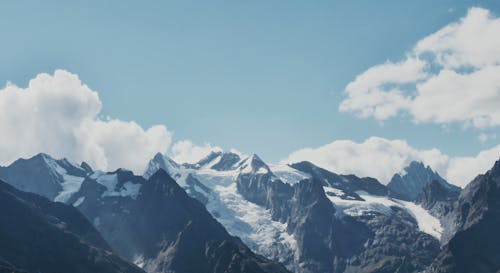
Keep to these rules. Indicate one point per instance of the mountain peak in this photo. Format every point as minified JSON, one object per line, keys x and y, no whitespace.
{"x":158,"y":156}
{"x":84,"y":165}
{"x":415,"y":166}
{"x":44,"y":175}
{"x":227,"y":161}
{"x":208,"y":158}
{"x":496,"y":168}
{"x":160,"y":161}
{"x":410,"y":183}
{"x":42,"y":156}
{"x":162,"y":177}
{"x":254,"y":164}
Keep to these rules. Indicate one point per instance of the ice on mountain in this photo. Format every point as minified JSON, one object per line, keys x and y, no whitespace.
{"x":382,"y":204}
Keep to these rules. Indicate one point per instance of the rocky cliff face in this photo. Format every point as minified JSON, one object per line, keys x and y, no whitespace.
{"x":311,"y":219}
{"x":37,"y":235}
{"x":158,"y":226}
{"x":437,"y":199}
{"x":409,"y":185}
{"x":475,"y":242}
{"x":308,"y":218}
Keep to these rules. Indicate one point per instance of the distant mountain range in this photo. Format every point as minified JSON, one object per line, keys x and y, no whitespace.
{"x":235,"y":213}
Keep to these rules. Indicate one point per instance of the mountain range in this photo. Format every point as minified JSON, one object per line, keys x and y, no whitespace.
{"x":235,"y":213}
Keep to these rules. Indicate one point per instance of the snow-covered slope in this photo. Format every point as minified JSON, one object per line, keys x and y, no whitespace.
{"x":153,"y":223}
{"x":383,"y":204}
{"x":288,"y":174}
{"x":254,"y":201}
{"x":213,"y":182}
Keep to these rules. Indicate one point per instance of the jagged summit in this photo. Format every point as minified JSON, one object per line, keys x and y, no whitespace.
{"x":227,"y":161}
{"x":161,"y":161}
{"x":308,"y":218}
{"x":85,"y":166}
{"x":254,"y":164}
{"x":219,"y":161}
{"x":207,"y":159}
{"x":409,"y":184}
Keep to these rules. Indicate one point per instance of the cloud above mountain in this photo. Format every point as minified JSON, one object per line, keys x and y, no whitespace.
{"x":381,"y":158}
{"x":59,"y":115}
{"x":449,"y":77}
{"x":185,"y":151}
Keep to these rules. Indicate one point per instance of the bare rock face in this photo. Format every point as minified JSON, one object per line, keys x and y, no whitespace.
{"x":475,"y":220}
{"x":437,"y":199}
{"x":157,"y":225}
{"x":329,"y":241}
{"x":409,"y":186}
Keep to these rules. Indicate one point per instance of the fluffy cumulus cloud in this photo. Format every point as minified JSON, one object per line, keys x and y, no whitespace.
{"x":185,"y":151}
{"x":59,"y":115}
{"x":382,"y":158}
{"x":450,"y":76}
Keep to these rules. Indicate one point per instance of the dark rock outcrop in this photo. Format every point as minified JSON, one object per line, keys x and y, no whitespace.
{"x":330,"y":241}
{"x":349,"y":184}
{"x":37,"y":235}
{"x":437,"y":199}
{"x":475,"y":245}
{"x":409,"y":185}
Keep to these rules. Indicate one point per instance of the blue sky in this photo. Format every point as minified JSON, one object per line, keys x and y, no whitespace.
{"x":260,"y":76}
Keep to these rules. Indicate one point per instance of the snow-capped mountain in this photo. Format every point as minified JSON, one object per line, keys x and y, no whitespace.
{"x":409,"y":184}
{"x":37,"y":235}
{"x":308,"y":218}
{"x":155,"y":224}
{"x":475,"y":239}
{"x":218,"y":191}
{"x":305,"y":217}
{"x":46,"y":176}
{"x":118,"y":197}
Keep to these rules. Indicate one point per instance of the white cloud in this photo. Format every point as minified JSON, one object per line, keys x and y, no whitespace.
{"x":464,"y":169}
{"x":58,"y":114}
{"x":381,"y":158}
{"x":474,"y":41}
{"x":184,"y":151}
{"x":450,"y":76}
{"x":368,"y":97}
